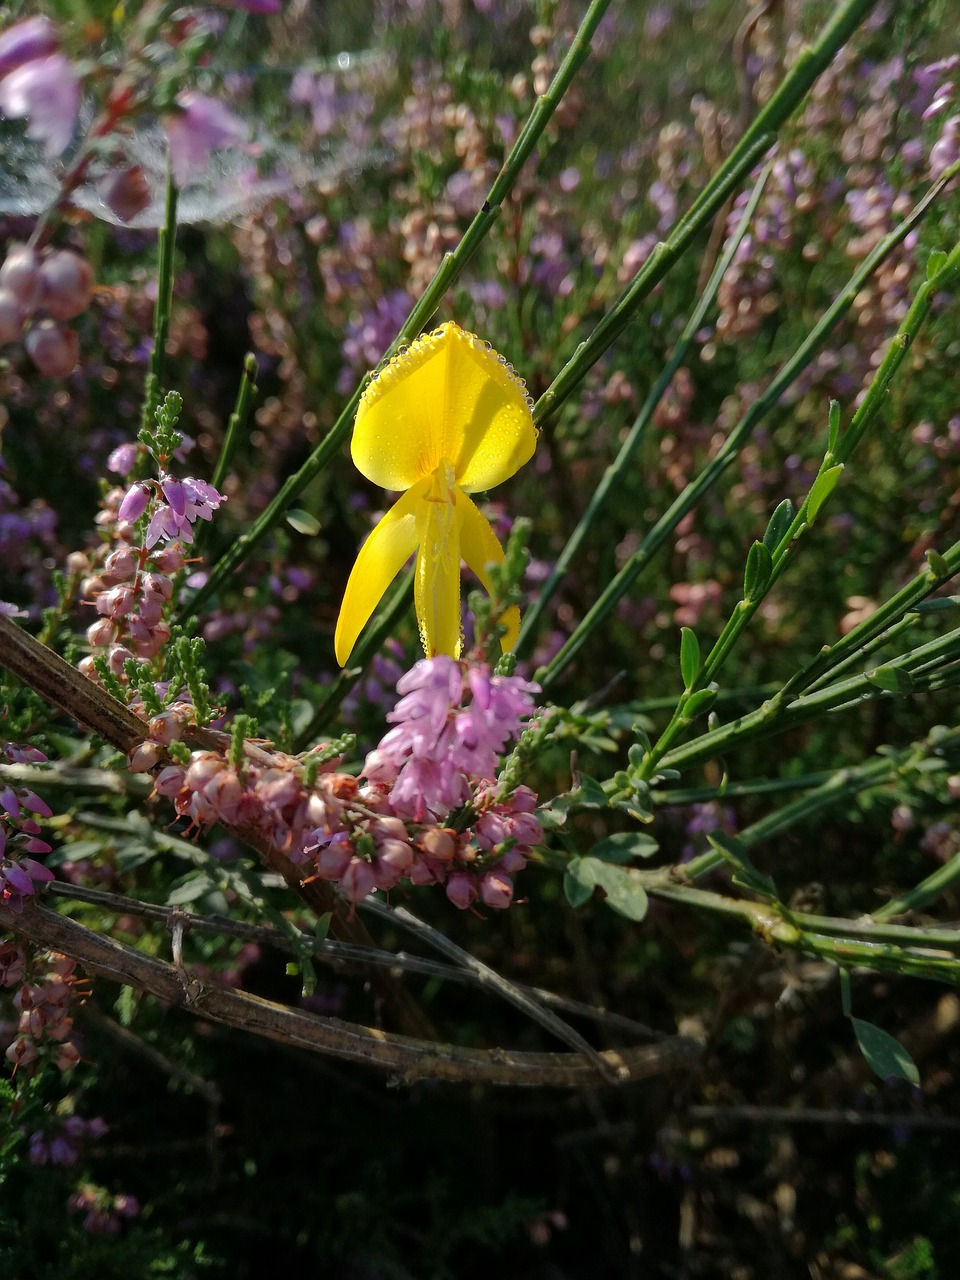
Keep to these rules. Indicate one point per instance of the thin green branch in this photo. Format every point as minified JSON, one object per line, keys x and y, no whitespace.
{"x":617,"y":471}
{"x":446,"y":274}
{"x":665,"y":526}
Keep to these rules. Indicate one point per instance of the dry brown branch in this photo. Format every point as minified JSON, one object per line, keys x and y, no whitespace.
{"x":65,"y":688}
{"x":406,"y":1058}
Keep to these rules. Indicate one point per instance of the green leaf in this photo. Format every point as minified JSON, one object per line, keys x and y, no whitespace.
{"x":935,"y":263}
{"x":189,"y":888}
{"x":942,"y":604}
{"x":588,"y":795}
{"x":303,"y":522}
{"x":937,"y":563}
{"x":834,"y":430}
{"x":689,"y":657}
{"x":744,"y":873}
{"x":577,"y":890}
{"x":756,"y":576}
{"x":322,"y":929}
{"x":780,"y":522}
{"x":621,"y":885}
{"x":624,"y":847}
{"x":893,"y":679}
{"x":821,"y":490}
{"x":885,"y":1054}
{"x":700,"y":702}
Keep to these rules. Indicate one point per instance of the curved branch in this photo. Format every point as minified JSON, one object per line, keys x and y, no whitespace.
{"x":407,"y":1058}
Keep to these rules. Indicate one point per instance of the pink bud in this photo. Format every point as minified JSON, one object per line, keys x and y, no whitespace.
{"x":439,"y":843}
{"x":120,"y":565}
{"x":53,"y":350}
{"x":68,"y":1057}
{"x":22,"y":1051}
{"x":11,"y":318}
{"x":333,"y":859}
{"x":20,"y":276}
{"x":169,"y":781}
{"x":125,"y":192}
{"x":169,"y":559}
{"x":135,"y":501}
{"x":358,"y":880}
{"x":496,"y":889}
{"x":101,"y":633}
{"x":461,"y":889}
{"x":117,"y":602}
{"x":66,"y":284}
{"x":143,"y":757}
{"x":123,"y":459}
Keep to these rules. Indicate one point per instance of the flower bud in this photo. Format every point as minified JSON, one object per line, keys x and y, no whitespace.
{"x":496,"y":889}
{"x":120,"y":565}
{"x":134,"y":502}
{"x":461,"y":889}
{"x":20,"y":276}
{"x":144,"y":757}
{"x":439,"y":843}
{"x":125,"y":192}
{"x":358,"y":880}
{"x":52,"y":349}
{"x":25,"y":41}
{"x":101,"y":632}
{"x":66,"y":284}
{"x":11,"y":318}
{"x":333,"y":859}
{"x":169,"y":781}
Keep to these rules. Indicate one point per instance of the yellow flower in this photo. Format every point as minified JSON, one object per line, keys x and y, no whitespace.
{"x":445,"y":418}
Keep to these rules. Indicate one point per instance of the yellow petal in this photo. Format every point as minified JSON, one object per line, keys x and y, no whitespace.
{"x":448,"y":396}
{"x":479,"y":547}
{"x":381,"y":558}
{"x":437,"y":580}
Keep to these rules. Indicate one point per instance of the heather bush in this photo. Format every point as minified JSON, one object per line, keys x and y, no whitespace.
{"x":478,"y":642}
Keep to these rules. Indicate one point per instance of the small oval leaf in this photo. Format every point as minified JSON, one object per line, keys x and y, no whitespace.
{"x":303,"y":522}
{"x":689,"y":657}
{"x":758,"y":571}
{"x":821,"y":490}
{"x":699,"y":702}
{"x":624,"y":847}
{"x":892,"y":679}
{"x":780,"y":522}
{"x":885,"y":1054}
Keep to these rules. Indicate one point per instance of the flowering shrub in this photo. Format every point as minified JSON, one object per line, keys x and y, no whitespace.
{"x":694,"y":827}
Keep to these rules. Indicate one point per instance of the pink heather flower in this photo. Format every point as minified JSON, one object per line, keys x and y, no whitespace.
{"x":461,"y":889}
{"x":187,"y":501}
{"x":45,"y":91}
{"x":26,"y":41}
{"x":358,"y":880}
{"x":202,"y":125}
{"x":496,"y":889}
{"x":135,"y":502}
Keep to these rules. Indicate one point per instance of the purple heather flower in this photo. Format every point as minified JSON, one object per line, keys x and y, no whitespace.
{"x":26,"y":41}
{"x":134,"y":503}
{"x":123,"y":459}
{"x":45,"y":91}
{"x":201,"y":126}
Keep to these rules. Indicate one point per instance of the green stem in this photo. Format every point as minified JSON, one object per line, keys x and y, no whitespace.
{"x":447,"y":273}
{"x":238,"y":419}
{"x":616,"y":472}
{"x":664,"y":528}
{"x":756,"y":140}
{"x":776,"y":717}
{"x":924,"y":893}
{"x":166,"y":243}
{"x":848,"y":943}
